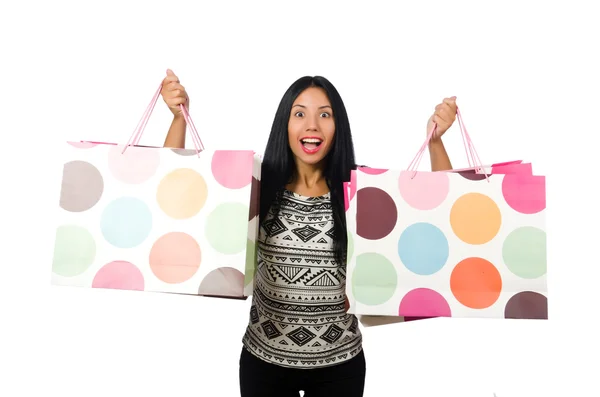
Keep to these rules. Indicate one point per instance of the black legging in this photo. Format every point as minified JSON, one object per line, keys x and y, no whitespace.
{"x":259,"y":378}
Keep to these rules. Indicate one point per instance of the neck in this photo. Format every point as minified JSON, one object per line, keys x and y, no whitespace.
{"x":308,"y":180}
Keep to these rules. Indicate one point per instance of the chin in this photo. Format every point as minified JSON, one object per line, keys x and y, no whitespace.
{"x":314,"y":159}
{"x":310,"y":160}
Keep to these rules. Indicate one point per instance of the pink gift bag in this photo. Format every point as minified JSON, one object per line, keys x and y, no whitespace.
{"x":465,"y":243}
{"x":145,"y":218}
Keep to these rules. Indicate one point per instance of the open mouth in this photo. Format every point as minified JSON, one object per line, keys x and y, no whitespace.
{"x":310,"y":143}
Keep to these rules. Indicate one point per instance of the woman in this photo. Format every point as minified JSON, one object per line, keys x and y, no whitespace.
{"x":299,"y":336}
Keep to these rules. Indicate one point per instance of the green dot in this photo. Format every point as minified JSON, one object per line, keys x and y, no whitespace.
{"x":374,"y":279}
{"x":227,"y":228}
{"x":250,"y":262}
{"x":74,"y":251}
{"x":524,"y":252}
{"x":350,"y":249}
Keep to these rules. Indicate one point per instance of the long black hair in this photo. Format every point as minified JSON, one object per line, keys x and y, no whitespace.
{"x":279,"y":167}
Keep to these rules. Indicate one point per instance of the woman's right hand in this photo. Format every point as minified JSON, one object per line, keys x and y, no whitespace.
{"x":173,"y":93}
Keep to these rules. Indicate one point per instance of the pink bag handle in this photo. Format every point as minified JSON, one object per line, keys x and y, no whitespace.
{"x":135,"y":137}
{"x":472,"y":156}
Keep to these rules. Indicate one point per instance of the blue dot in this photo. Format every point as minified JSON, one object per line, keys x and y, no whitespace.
{"x":423,"y":248}
{"x":126,"y":222}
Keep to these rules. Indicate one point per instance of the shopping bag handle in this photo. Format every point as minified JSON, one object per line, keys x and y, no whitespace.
{"x":135,"y":137}
{"x":472,"y":156}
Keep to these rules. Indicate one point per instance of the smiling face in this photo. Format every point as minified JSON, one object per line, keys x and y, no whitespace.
{"x":311,"y":127}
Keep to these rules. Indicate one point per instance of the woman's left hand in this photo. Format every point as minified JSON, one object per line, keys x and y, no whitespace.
{"x":444,"y":116}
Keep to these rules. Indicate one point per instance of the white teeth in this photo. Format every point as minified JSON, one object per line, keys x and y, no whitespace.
{"x":311,"y":140}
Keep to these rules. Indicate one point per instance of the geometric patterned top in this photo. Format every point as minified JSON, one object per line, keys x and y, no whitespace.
{"x":297,"y":316}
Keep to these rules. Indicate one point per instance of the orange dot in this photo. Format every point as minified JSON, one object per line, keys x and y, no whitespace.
{"x":475,"y":218}
{"x":175,"y":257}
{"x":476,"y":283}
{"x":182,"y":193}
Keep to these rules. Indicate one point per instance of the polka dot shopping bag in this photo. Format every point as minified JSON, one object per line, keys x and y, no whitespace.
{"x":465,"y":243}
{"x":155,"y":219}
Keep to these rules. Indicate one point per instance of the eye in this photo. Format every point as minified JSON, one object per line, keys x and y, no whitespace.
{"x":325,"y":114}
{"x":299,"y":114}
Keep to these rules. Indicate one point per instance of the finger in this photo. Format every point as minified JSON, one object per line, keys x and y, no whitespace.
{"x":442,"y":124}
{"x":440,"y":110}
{"x":443,"y":120}
{"x":450,"y":101}
{"x":168,"y":94}
{"x":445,"y":104}
{"x":174,"y":102}
{"x":176,"y":94}
{"x":172,"y":86}
{"x":447,"y":112}
{"x":172,"y":75}
{"x":170,"y":78}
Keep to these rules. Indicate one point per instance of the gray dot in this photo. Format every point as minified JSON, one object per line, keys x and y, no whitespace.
{"x":82,"y":186}
{"x":224,"y":281}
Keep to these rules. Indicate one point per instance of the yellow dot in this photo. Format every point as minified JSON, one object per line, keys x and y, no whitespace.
{"x":182,"y":193}
{"x":475,"y":218}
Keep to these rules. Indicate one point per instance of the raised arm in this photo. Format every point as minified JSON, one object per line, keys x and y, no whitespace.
{"x":444,"y":116}
{"x":440,"y":161}
{"x":174,"y":94}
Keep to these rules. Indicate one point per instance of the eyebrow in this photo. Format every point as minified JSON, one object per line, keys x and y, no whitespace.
{"x":321,"y":107}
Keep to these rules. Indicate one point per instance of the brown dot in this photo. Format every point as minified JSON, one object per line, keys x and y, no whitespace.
{"x":417,"y":318}
{"x":472,"y":175}
{"x":254,"y":199}
{"x":376,"y":213}
{"x":527,"y":305}
{"x":82,"y":186}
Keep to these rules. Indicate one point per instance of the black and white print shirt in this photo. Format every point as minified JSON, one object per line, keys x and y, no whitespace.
{"x":297,"y":317}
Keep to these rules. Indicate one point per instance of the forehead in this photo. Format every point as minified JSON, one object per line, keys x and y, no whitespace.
{"x":312,"y":96}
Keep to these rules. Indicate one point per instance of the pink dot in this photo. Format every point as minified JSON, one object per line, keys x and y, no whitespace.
{"x":134,"y":166}
{"x":525,"y":193}
{"x":424,"y":302}
{"x":372,"y":171}
{"x":119,"y":275}
{"x":233,"y":168}
{"x":424,"y":190}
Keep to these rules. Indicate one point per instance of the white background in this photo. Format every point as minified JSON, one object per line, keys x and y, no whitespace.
{"x":526,"y":77}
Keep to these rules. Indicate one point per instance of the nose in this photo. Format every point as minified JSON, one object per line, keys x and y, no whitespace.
{"x":312,"y":123}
